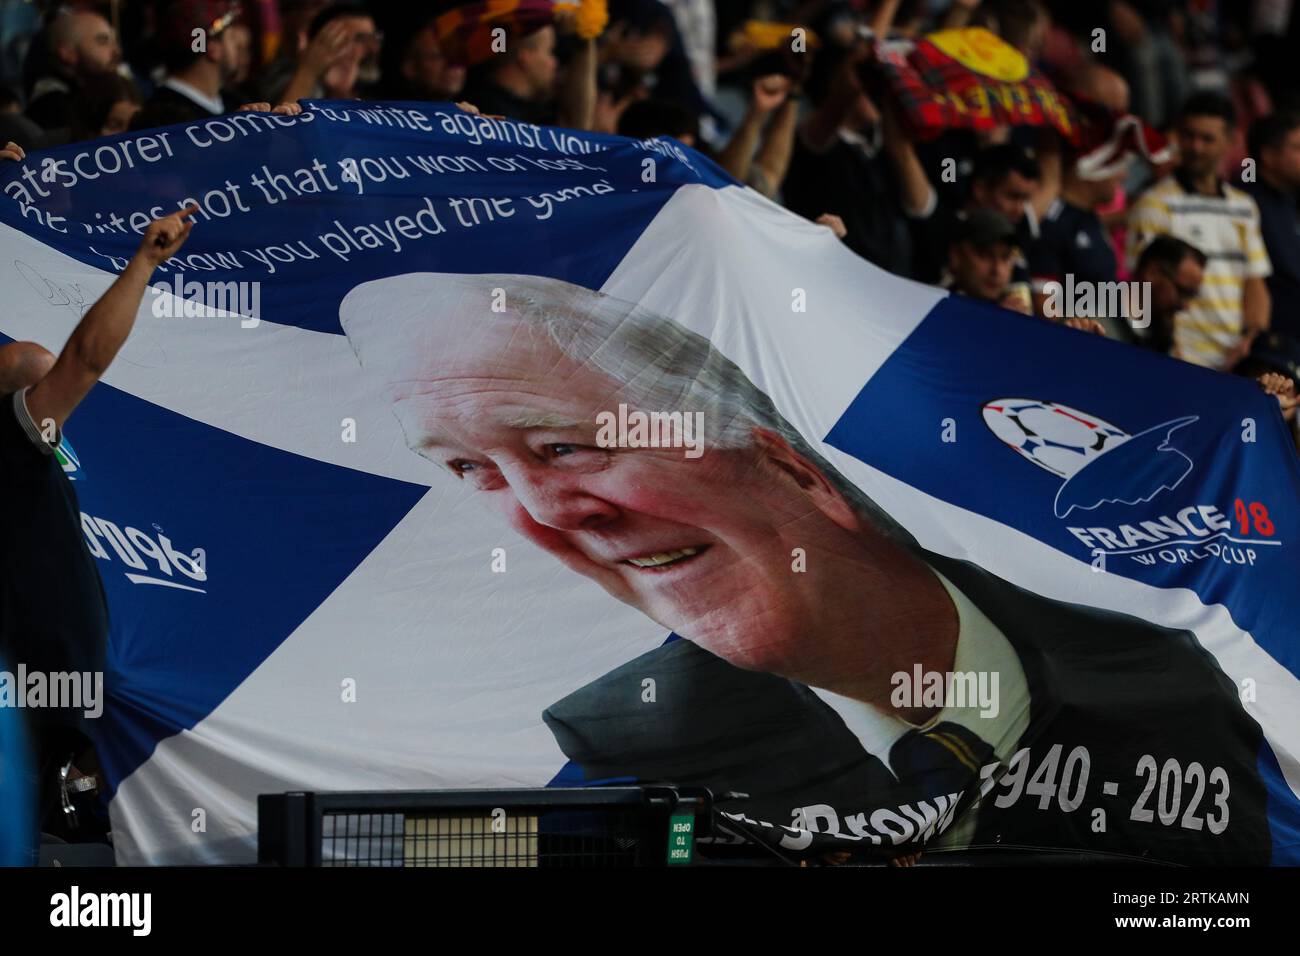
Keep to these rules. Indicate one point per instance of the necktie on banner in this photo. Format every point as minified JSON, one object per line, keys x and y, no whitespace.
{"x":947,"y":755}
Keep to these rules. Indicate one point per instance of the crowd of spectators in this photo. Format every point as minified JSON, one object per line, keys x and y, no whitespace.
{"x":999,"y":215}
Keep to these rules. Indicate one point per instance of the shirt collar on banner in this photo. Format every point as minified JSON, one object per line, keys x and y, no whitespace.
{"x":981,"y":649}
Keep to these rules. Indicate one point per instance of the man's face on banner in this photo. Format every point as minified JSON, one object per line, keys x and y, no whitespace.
{"x":703,"y":546}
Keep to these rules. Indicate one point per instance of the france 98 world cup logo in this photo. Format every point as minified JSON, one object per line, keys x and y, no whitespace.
{"x":1099,"y":463}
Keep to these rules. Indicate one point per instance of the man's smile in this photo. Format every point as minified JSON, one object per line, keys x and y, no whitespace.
{"x":662,"y":560}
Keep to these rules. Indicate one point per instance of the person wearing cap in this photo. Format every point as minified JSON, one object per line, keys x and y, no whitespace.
{"x":192,"y":88}
{"x":1005,"y":178}
{"x":981,"y":258}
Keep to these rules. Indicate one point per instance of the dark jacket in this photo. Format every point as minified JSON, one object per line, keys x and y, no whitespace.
{"x":1132,"y":693}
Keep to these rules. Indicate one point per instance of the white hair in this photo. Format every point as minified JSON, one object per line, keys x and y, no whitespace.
{"x":657,"y":362}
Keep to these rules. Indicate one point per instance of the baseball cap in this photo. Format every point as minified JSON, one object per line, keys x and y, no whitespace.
{"x":984,"y":227}
{"x":182,"y":18}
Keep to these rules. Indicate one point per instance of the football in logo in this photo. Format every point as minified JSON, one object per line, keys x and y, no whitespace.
{"x":1098,"y":462}
{"x":1056,"y":437}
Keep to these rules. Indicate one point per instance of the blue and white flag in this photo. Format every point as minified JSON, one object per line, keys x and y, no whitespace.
{"x":459,"y":452}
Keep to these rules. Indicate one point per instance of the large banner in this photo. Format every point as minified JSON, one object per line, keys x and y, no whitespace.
{"x":457,"y":452}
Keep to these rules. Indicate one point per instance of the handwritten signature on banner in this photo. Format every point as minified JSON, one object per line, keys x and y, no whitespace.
{"x":71,"y":296}
{"x":143,"y":350}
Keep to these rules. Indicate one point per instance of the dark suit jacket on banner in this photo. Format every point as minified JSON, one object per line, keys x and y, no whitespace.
{"x":1123,"y":688}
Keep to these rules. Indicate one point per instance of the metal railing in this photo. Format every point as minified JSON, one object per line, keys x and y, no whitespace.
{"x":578,"y":827}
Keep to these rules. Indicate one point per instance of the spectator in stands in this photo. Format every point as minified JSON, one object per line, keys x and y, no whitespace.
{"x":980,"y":260}
{"x":1073,"y":241}
{"x":326,"y":49}
{"x":1173,"y":270}
{"x":105,"y":109}
{"x":241,"y":88}
{"x":1005,"y":179}
{"x":520,"y":83}
{"x":339,"y":59}
{"x":1021,"y":23}
{"x":273,"y":80}
{"x":697,"y":26}
{"x":1144,"y":31}
{"x":426,"y":71}
{"x":355,"y":72}
{"x":642,"y":53}
{"x":55,"y":616}
{"x":83,"y":51}
{"x":648,"y":118}
{"x":1275,"y":147}
{"x":195,"y":80}
{"x":759,"y":152}
{"x":1196,"y":205}
{"x":837,"y":166}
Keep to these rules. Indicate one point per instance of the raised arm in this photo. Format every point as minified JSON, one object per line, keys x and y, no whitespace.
{"x":883,"y":18}
{"x":324,"y":50}
{"x":766,"y":95}
{"x":820,"y":129}
{"x":917,"y":195}
{"x":578,"y":95}
{"x":773,"y":159}
{"x":102,"y":331}
{"x":958,"y":14}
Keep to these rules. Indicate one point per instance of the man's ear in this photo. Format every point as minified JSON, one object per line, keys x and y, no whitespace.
{"x":828,"y":499}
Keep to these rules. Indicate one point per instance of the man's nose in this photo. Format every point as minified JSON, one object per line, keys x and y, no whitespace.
{"x":558,"y":500}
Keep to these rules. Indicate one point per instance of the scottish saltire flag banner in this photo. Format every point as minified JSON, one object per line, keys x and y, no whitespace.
{"x":457,"y":452}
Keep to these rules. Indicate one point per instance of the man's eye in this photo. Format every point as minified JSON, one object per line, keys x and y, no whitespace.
{"x":560,"y":449}
{"x":460,"y":466}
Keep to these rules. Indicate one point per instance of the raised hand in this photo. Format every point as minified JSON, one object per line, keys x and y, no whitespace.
{"x":165,"y":236}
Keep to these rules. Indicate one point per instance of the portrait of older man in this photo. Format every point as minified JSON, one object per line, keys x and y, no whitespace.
{"x":798,"y":602}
